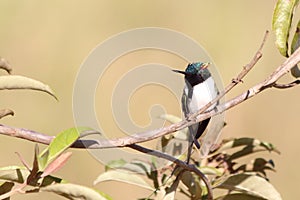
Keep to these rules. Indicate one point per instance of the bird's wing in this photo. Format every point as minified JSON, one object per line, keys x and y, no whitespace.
{"x":186,"y":105}
{"x":185,"y":102}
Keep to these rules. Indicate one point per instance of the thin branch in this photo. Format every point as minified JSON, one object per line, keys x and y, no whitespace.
{"x":45,"y":139}
{"x":284,"y":86}
{"x":26,"y":134}
{"x":233,"y":83}
{"x":196,"y":117}
{"x":150,"y":135}
{"x":23,"y":161}
{"x":236,"y":80}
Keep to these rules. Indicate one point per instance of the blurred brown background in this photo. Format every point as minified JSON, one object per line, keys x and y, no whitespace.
{"x":49,"y":40}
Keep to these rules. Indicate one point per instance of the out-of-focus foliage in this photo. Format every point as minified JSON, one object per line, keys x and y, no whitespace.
{"x":282,"y":21}
{"x":13,"y":82}
{"x":295,"y":44}
{"x":38,"y":179}
{"x":224,"y":166}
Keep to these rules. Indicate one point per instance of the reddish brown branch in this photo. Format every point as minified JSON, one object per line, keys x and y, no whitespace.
{"x":284,"y":86}
{"x":194,"y":118}
{"x":179,"y":163}
{"x":150,"y":135}
{"x":236,"y":80}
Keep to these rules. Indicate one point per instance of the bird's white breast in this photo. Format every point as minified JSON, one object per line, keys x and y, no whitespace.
{"x":203,"y":93}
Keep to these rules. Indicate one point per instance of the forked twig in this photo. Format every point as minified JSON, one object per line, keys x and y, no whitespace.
{"x":153,"y":134}
{"x":236,"y":80}
{"x":201,"y":115}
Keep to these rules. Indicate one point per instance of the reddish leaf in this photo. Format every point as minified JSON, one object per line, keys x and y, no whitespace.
{"x":58,"y":163}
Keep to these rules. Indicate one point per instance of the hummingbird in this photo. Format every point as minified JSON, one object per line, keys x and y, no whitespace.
{"x":199,"y":90}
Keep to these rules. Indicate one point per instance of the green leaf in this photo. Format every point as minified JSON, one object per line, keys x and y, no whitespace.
{"x":252,"y":146}
{"x":19,"y":174}
{"x":58,"y":145}
{"x":296,"y":39}
{"x":115,"y":164}
{"x":182,"y":134}
{"x":49,"y":180}
{"x":6,"y":187}
{"x":281,"y":23}
{"x":72,"y":191}
{"x":136,"y":166}
{"x":175,"y":143}
{"x":123,"y":176}
{"x":250,"y":184}
{"x":239,"y":196}
{"x":259,"y":165}
{"x":14,"y":174}
{"x":210,"y":170}
{"x":295,"y":71}
{"x":171,"y":191}
{"x":295,"y":44}
{"x":5,"y":65}
{"x":143,"y":168}
{"x":245,"y":151}
{"x":139,"y":167}
{"x":5,"y":112}
{"x":13,"y":82}
{"x":251,"y":142}
{"x":193,"y":184}
{"x":170,"y":195}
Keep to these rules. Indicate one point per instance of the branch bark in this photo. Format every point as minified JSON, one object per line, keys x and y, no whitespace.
{"x":269,"y":82}
{"x":131,"y":141}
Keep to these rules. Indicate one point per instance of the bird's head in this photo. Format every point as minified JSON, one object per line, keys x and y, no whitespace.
{"x":197,"y":68}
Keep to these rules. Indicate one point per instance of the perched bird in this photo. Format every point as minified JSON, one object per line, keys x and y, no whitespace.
{"x":200,"y":89}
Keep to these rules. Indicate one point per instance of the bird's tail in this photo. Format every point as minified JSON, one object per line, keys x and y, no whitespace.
{"x":201,"y":128}
{"x":194,"y":138}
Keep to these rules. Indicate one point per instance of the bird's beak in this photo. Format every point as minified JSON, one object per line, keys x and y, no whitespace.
{"x":205,"y":65}
{"x":178,"y":71}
